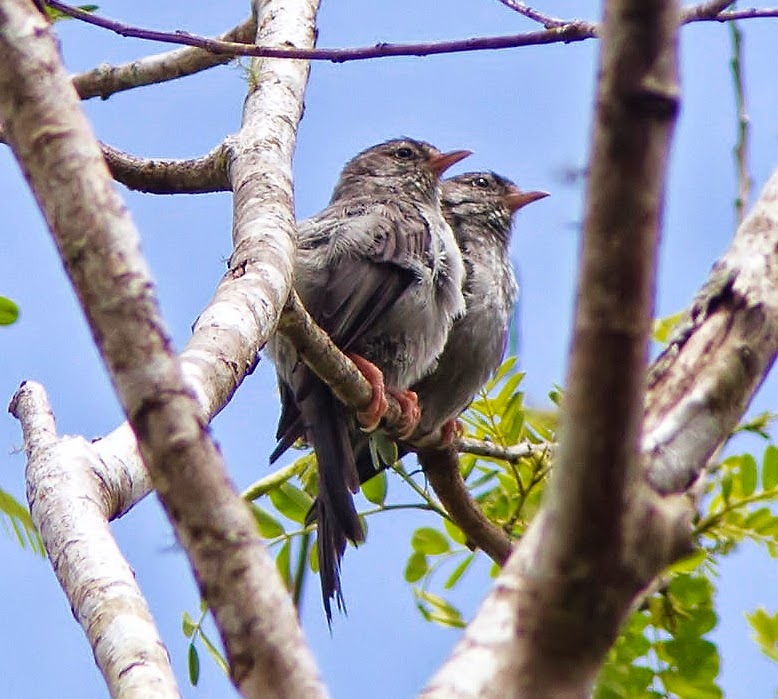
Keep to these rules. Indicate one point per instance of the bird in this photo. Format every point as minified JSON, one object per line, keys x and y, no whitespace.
{"x":480,"y":207}
{"x":380,"y":271}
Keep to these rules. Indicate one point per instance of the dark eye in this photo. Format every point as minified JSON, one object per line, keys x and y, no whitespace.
{"x":481,"y":183}
{"x":404,"y":153}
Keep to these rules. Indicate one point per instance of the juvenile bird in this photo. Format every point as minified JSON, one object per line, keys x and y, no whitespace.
{"x":380,"y":271}
{"x":479,"y":206}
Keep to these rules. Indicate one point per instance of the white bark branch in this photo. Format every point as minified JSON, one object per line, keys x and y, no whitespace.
{"x":98,"y":243}
{"x":719,"y":355}
{"x":69,"y":508}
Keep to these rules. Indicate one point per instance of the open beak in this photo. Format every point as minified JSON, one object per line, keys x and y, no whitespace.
{"x":517,"y":199}
{"x":440,"y":162}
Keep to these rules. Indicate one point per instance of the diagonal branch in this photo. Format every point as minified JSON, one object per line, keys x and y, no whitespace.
{"x":98,"y":243}
{"x":599,"y":537}
{"x":701,"y":384}
{"x":68,"y":506}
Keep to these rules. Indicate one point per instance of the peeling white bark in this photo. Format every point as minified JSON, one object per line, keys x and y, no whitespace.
{"x":69,"y":508}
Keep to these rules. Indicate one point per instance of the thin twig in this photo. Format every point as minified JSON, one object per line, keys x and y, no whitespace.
{"x":511,"y":454}
{"x":564,"y":31}
{"x":570,"y":32}
{"x":522,"y":8}
{"x":705,"y":10}
{"x":743,"y":123}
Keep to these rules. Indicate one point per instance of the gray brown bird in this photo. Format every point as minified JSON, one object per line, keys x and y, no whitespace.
{"x":380,"y":271}
{"x":479,"y":206}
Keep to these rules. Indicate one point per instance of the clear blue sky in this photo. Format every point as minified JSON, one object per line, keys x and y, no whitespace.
{"x":525,"y":113}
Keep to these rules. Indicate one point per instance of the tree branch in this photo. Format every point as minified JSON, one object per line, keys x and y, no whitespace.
{"x":441,"y":467}
{"x":194,"y":176}
{"x":704,"y":10}
{"x":599,"y":537}
{"x":566,"y":31}
{"x":70,"y":509}
{"x":701,"y":384}
{"x":522,"y":8}
{"x":106,"y":80}
{"x":98,"y":244}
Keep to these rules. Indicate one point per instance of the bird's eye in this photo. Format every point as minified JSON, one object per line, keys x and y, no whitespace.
{"x":404,"y":153}
{"x":481,"y":183}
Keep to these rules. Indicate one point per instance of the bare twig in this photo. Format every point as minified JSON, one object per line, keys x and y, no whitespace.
{"x":197,"y":176}
{"x":512,"y":454}
{"x":743,"y":124}
{"x":522,"y":8}
{"x":570,"y":32}
{"x":704,"y":10}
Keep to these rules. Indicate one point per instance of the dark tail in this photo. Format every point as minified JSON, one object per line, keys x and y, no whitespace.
{"x":326,"y":424}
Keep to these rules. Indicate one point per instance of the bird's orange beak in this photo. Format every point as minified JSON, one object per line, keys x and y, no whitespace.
{"x":440,"y":162}
{"x":516,"y":199}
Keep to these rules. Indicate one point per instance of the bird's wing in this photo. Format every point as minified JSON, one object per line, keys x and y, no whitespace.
{"x":355,"y":261}
{"x":368,"y":253}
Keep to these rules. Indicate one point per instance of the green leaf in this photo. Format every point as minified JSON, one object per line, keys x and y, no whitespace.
{"x":269,"y":527}
{"x":429,"y":541}
{"x":505,"y":368}
{"x":454,"y":531}
{"x":766,"y":628}
{"x":748,"y":474}
{"x":283,"y":564}
{"x":375,"y":489}
{"x":21,"y":523}
{"x":291,"y":502}
{"x":57,"y":15}
{"x":416,"y":567}
{"x":663,"y":327}
{"x":386,"y":447}
{"x":313,"y":559}
{"x":194,"y":665}
{"x":9,"y":311}
{"x":188,"y":625}
{"x":770,"y":467}
{"x":453,"y":579}
{"x":439,"y":610}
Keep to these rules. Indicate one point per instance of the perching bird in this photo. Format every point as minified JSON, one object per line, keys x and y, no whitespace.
{"x":480,"y":207}
{"x":380,"y":271}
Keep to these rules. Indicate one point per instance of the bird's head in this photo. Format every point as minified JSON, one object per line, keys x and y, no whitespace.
{"x":484,"y":200}
{"x":399,"y":166}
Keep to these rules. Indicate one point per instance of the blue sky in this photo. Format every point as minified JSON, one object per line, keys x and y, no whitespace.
{"x":526,"y":114}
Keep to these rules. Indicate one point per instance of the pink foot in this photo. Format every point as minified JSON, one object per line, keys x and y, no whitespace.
{"x":411,"y":413}
{"x":450,"y":430}
{"x":372,"y":414}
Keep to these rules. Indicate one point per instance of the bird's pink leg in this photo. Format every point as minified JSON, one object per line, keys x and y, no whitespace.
{"x":372,"y":414}
{"x":450,"y":430}
{"x":411,"y":413}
